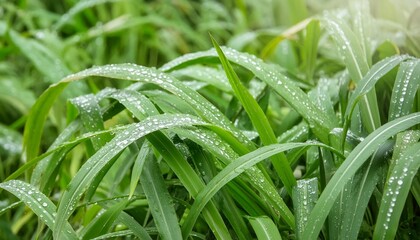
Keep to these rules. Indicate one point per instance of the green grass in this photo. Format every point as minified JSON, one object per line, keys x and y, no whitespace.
{"x":124,"y":119}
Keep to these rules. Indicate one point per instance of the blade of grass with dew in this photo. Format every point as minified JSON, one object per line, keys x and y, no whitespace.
{"x":233,"y":170}
{"x":41,"y":205}
{"x":349,"y":167}
{"x":310,"y":47}
{"x":259,"y":120}
{"x":305,"y":194}
{"x":405,"y":88}
{"x":264,"y":228}
{"x":138,"y":167}
{"x":102,"y":223}
{"x":396,"y":192}
{"x":320,"y":124}
{"x":360,"y":191}
{"x":356,"y":63}
{"x":362,"y":27}
{"x":159,"y":200}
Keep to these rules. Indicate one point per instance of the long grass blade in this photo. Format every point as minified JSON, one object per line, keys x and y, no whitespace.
{"x":395,"y":193}
{"x":259,"y":120}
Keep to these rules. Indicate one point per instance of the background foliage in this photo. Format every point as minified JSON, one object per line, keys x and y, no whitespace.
{"x":124,"y":119}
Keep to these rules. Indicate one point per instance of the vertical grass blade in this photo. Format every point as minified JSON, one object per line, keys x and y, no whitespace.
{"x":356,"y":62}
{"x":405,"y":88}
{"x":305,"y":194}
{"x":395,"y":193}
{"x":160,"y":202}
{"x":259,"y":120}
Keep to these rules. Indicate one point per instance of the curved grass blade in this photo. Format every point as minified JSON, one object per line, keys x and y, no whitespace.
{"x":99,"y":160}
{"x":233,"y":170}
{"x":405,"y":88}
{"x":39,"y":204}
{"x":264,"y":228}
{"x":138,"y":167}
{"x":103,"y":222}
{"x":259,"y":120}
{"x":159,"y":200}
{"x":305,"y":194}
{"x":205,"y":74}
{"x":396,"y":192}
{"x":320,"y":124}
{"x":349,"y":167}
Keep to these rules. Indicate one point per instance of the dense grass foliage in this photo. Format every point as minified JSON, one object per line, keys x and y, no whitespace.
{"x":126,"y":119}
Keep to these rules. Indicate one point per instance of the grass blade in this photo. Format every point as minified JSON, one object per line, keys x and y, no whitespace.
{"x":104,"y":221}
{"x":356,"y":63}
{"x":396,"y":192}
{"x":159,"y":200}
{"x":259,"y":120}
{"x":305,"y":194}
{"x":405,"y":88}
{"x":39,"y":204}
{"x":264,"y":227}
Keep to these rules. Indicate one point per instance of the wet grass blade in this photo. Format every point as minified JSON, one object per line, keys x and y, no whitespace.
{"x":305,"y":194}
{"x":356,"y":62}
{"x":103,"y":222}
{"x":39,"y":204}
{"x":264,"y":228}
{"x":396,"y":192}
{"x":159,"y":200}
{"x":405,"y":88}
{"x":259,"y":120}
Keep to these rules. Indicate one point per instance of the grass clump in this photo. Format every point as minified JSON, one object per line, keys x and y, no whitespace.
{"x":118,"y":123}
